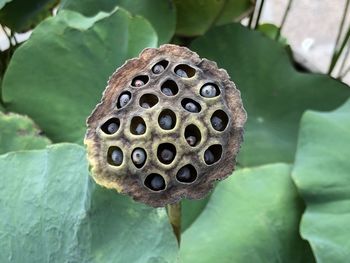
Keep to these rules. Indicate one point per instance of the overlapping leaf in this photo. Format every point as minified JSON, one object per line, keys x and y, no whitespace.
{"x":22,"y":15}
{"x":19,"y":133}
{"x":51,"y":211}
{"x":253,"y":216}
{"x":161,"y":14}
{"x":322,"y":174}
{"x":274,"y":94}
{"x":65,"y":65}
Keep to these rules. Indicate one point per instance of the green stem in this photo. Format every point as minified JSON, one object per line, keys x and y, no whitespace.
{"x":252,"y":16}
{"x":259,"y":14}
{"x":174,"y":214}
{"x":336,"y":51}
{"x":346,"y":55}
{"x":284,"y":18}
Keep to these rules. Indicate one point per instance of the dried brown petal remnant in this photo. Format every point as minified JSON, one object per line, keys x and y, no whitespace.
{"x":169,"y":124}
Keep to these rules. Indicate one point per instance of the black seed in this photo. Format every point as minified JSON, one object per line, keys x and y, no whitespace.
{"x":167,"y":91}
{"x":157,"y":69}
{"x":138,"y":156}
{"x":190,"y":106}
{"x":140,"y":129}
{"x":117,"y":157}
{"x":138,"y":83}
{"x":217,"y":123}
{"x":124,"y":99}
{"x":184,"y":174}
{"x":191,"y":140}
{"x":181,"y":73}
{"x":112,"y":127}
{"x":208,"y":91}
{"x":166,"y":155}
{"x":165,"y":122}
{"x":209,"y":157}
{"x":157,"y":183}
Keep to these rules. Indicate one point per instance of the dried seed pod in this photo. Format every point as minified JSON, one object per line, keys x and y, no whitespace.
{"x":187,"y":151}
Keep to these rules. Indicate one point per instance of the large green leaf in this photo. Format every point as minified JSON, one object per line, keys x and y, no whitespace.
{"x":322,"y":174}
{"x":195,"y":17}
{"x":58,"y":75}
{"x":19,"y":133}
{"x":22,"y":15}
{"x":51,"y":211}
{"x":253,"y":216}
{"x":161,"y":14}
{"x":274,"y":94}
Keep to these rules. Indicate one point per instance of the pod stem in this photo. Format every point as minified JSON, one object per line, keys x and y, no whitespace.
{"x":174,"y":214}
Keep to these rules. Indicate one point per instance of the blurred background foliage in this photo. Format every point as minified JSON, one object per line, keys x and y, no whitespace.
{"x":288,"y":201}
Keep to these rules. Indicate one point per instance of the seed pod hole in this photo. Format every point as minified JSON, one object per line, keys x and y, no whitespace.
{"x":123,"y":99}
{"x":192,"y":135}
{"x":213,"y":154}
{"x":139,"y":81}
{"x":167,"y":119}
{"x":210,"y":90}
{"x":155,"y":182}
{"x":111,"y":126}
{"x":115,"y":156}
{"x":138,"y":157}
{"x":184,"y":71}
{"x":160,"y":67}
{"x":187,"y":174}
{"x":219,"y":120}
{"x":137,"y":126}
{"x":191,"y":105}
{"x":166,"y":153}
{"x":169,"y":88}
{"x":148,"y":101}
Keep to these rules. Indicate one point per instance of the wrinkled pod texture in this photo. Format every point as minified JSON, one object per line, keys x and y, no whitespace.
{"x":169,"y":124}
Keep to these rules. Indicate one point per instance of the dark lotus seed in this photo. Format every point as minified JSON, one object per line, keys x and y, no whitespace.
{"x":165,"y":122}
{"x":191,"y":140}
{"x":124,"y":99}
{"x":208,"y":91}
{"x":140,"y":129}
{"x":138,"y":156}
{"x":181,"y":73}
{"x":208,"y":157}
{"x":166,"y":155}
{"x":112,"y":127}
{"x":184,"y":174}
{"x":217,"y":123}
{"x":190,"y":106}
{"x":138,"y":83}
{"x":157,"y":69}
{"x":117,"y":157}
{"x":167,"y":91}
{"x":145,"y":105}
{"x":157,"y":183}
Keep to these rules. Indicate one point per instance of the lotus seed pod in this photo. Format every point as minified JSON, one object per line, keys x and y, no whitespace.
{"x":157,"y":69}
{"x":181,"y":73}
{"x":208,"y":91}
{"x":186,"y":152}
{"x":124,"y":99}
